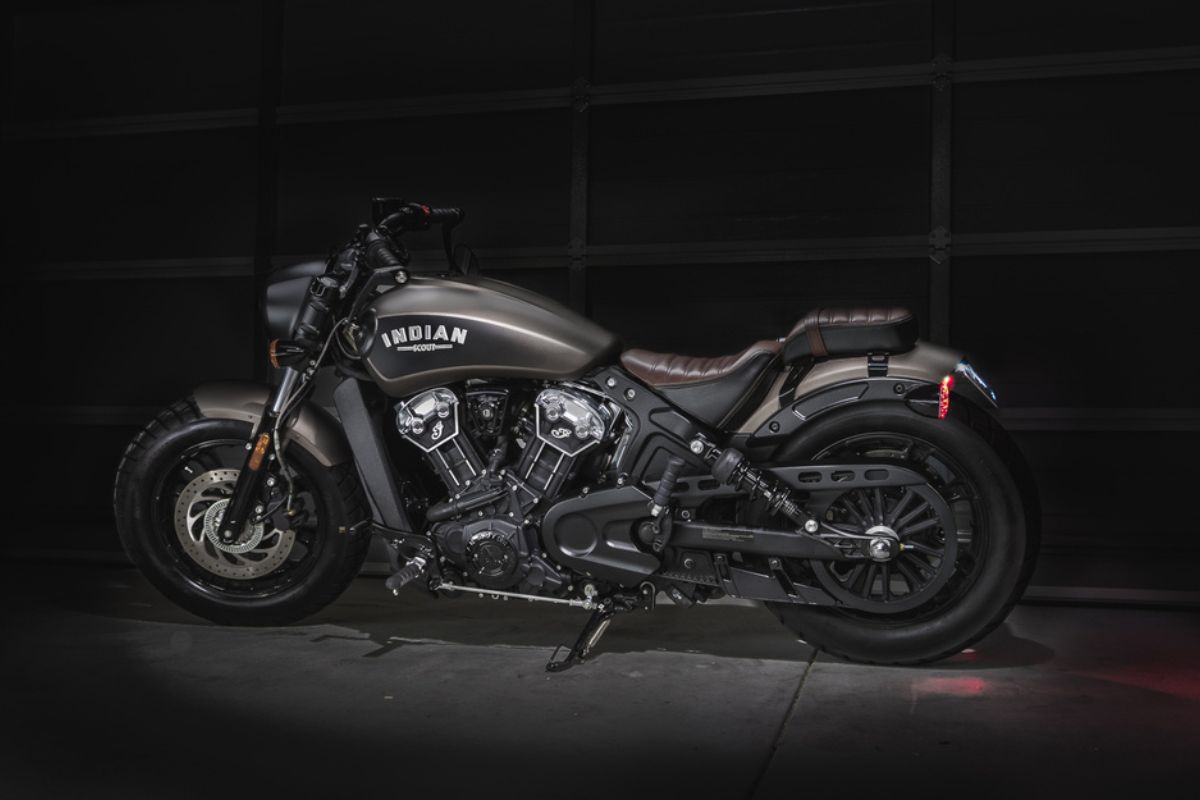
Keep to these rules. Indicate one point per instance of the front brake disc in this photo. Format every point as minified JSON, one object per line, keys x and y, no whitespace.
{"x":257,"y":552}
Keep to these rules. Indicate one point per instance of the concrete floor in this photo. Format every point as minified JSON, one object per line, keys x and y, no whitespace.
{"x":110,"y":691}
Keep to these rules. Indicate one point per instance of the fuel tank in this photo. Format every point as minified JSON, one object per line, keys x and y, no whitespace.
{"x":433,"y":331}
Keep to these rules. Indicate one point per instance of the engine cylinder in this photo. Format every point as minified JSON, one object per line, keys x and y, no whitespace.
{"x":566,"y":423}
{"x":431,"y":421}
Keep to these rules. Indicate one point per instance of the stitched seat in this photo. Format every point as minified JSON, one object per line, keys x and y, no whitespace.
{"x":716,"y":389}
{"x":670,"y":369}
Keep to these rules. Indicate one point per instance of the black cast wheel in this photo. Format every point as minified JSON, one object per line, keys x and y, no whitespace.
{"x":910,"y":528}
{"x":173,"y":485}
{"x":960,"y":553}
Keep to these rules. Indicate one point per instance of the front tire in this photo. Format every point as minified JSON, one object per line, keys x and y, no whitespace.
{"x":996,"y":551}
{"x":182,"y":464}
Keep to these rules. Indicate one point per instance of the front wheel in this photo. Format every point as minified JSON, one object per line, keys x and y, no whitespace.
{"x":955,"y":579}
{"x":173,"y":485}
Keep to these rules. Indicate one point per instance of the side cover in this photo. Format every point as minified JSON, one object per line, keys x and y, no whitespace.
{"x":442,"y":330}
{"x":315,"y":429}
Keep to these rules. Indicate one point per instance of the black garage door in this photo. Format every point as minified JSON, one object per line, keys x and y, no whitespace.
{"x":694,"y":175}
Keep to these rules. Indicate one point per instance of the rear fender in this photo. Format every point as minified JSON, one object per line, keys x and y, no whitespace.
{"x":315,"y":430}
{"x":911,"y":377}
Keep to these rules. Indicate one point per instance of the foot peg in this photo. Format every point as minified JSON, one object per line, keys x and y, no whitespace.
{"x":406,"y":575}
{"x":656,"y":532}
{"x":666,"y":485}
{"x":588,"y":637}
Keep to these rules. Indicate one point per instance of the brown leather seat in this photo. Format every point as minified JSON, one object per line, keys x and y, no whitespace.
{"x":670,"y":369}
{"x":717,"y":389}
{"x":712,"y":389}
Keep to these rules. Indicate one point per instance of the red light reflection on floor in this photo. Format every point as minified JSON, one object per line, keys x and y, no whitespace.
{"x":966,"y":686}
{"x":1182,"y":684}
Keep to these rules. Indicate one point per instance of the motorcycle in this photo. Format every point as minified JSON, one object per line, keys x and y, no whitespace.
{"x":849,"y":476}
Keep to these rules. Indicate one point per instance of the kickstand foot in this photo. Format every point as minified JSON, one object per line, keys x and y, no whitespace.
{"x":593,"y":629}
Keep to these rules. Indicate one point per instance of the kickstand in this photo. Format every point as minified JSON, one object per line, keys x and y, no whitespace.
{"x":593,"y":629}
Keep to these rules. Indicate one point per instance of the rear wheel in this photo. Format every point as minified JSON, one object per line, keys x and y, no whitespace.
{"x":966,"y":554}
{"x":172,"y":488}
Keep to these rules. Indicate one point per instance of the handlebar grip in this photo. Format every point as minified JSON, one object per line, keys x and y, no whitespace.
{"x":380,"y":255}
{"x":446,"y":216}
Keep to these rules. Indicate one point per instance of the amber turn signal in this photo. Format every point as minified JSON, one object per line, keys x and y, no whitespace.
{"x":285,"y":354}
{"x":260,"y":450}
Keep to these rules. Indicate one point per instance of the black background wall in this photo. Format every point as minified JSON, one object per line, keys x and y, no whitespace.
{"x":694,"y":175}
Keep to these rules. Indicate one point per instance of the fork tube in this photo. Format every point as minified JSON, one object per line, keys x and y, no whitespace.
{"x":250,"y":477}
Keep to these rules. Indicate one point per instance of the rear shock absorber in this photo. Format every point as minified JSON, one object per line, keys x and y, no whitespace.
{"x":730,"y":467}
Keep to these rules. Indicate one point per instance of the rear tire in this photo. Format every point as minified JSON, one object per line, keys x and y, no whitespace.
{"x":1001,"y":554}
{"x":310,"y":578}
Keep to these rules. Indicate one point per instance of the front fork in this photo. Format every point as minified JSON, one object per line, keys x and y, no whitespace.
{"x":250,"y":478}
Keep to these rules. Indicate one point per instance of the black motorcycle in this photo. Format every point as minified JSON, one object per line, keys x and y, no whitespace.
{"x":847,"y":475}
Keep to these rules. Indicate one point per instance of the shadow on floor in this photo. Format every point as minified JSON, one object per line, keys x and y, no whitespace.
{"x":368,"y":612}
{"x":112,"y":692}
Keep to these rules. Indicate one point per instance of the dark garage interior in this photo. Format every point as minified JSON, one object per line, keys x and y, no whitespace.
{"x":693,"y":176}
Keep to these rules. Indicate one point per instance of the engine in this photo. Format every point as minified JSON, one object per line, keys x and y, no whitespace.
{"x":488,"y":525}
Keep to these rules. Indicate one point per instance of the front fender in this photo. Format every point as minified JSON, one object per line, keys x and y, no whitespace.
{"x":842,"y":381}
{"x":315,"y":429}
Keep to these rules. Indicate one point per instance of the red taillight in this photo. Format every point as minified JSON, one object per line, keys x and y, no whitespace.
{"x":944,"y":396}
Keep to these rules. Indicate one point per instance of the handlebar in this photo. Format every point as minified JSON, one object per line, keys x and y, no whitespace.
{"x":375,"y":255}
{"x":408,"y":217}
{"x":418,"y":217}
{"x":381,"y":255}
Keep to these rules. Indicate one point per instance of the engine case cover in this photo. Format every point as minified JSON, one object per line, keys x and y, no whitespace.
{"x":495,"y":554}
{"x":595,"y":534}
{"x":492,"y":551}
